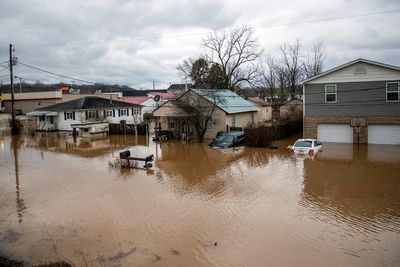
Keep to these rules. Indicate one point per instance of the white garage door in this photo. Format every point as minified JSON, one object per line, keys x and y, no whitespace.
{"x":339,"y":133}
{"x":384,"y":134}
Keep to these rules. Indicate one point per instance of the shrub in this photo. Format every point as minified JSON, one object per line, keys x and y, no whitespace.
{"x":258,"y":135}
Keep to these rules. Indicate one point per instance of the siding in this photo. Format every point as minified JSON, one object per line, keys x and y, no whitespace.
{"x":350,"y":100}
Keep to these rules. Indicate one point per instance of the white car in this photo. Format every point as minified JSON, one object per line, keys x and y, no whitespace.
{"x":306,"y":147}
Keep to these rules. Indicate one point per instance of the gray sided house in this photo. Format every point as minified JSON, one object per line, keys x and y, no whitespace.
{"x":360,"y":93}
{"x":85,"y":110}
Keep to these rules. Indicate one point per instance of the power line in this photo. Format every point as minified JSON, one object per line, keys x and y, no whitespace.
{"x":145,"y":38}
{"x":53,"y":73}
{"x":329,"y":19}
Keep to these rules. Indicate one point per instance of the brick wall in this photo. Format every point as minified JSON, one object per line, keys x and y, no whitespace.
{"x":311,"y":124}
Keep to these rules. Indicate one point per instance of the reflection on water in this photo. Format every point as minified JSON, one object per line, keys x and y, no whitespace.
{"x":60,"y":199}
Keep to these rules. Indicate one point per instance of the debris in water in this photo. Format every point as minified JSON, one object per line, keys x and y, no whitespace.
{"x":174,"y":251}
{"x":121,"y":255}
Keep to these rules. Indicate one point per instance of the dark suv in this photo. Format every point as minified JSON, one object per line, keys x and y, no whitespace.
{"x":226,"y":140}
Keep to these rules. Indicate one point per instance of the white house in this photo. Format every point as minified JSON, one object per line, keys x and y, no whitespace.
{"x":85,"y":110}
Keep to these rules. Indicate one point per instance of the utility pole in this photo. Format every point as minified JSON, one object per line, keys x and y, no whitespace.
{"x":14,"y":128}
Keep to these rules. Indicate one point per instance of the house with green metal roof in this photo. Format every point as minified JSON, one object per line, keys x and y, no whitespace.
{"x":228,"y":112}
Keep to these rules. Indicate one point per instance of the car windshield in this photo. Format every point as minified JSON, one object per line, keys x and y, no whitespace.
{"x":224,"y":138}
{"x":303,"y":144}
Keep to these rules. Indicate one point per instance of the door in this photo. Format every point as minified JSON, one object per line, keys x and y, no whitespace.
{"x":384,"y":134}
{"x":338,"y":133}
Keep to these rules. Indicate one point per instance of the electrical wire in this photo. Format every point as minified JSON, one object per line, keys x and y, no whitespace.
{"x":53,"y":73}
{"x":145,"y":38}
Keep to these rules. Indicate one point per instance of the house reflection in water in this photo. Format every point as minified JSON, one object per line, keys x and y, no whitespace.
{"x":87,"y":148}
{"x":354,"y":184}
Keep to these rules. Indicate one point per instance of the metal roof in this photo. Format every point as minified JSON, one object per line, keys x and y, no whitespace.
{"x":226,"y":100}
{"x":88,"y":102}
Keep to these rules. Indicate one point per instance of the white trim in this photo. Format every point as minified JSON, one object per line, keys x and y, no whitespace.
{"x":331,"y":102}
{"x":398,"y":92}
{"x":351,"y":63}
{"x":69,"y":117}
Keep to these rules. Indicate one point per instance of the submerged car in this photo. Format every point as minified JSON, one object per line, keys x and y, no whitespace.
{"x":306,"y":147}
{"x":227,"y":140}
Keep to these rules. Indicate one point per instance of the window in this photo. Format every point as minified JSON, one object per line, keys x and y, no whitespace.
{"x":210,"y":125}
{"x":392,"y":91}
{"x":69,"y":116}
{"x":136,"y":111}
{"x":233,"y":120}
{"x":330,"y":93}
{"x":171,"y":125}
{"x":109,"y":113}
{"x":252,"y":118}
{"x":123,"y":112}
{"x":42,"y":118}
{"x":91,"y":114}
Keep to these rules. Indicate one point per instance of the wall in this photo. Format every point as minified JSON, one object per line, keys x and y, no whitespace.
{"x":351,"y":100}
{"x":29,"y":105}
{"x":311,"y":125}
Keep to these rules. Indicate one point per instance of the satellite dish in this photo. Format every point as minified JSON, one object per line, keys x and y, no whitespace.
{"x":157,"y":98}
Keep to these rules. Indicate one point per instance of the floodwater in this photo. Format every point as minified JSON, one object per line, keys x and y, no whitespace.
{"x":60,"y":200}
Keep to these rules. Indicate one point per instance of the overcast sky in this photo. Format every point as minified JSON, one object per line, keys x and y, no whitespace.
{"x":135,"y":42}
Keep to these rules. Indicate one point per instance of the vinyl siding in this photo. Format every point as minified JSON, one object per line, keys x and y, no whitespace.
{"x":351,"y":101}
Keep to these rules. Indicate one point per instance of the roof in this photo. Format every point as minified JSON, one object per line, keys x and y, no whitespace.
{"x":164,"y":96}
{"x":134,"y":100}
{"x":228,"y":101}
{"x":351,"y":63}
{"x":88,"y":102}
{"x":258,"y":101}
{"x":179,"y":87}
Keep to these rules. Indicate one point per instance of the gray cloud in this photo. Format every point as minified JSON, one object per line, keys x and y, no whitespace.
{"x":136,"y":42}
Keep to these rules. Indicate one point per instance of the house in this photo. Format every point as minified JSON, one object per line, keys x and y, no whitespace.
{"x":230,"y":112}
{"x":292,"y":109}
{"x":356,"y":102}
{"x":264,"y":109}
{"x":89,"y":109}
{"x":179,"y":87}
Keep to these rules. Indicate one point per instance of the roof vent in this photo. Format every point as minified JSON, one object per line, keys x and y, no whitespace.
{"x":360,"y":70}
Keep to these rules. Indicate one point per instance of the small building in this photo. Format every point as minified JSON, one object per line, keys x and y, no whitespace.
{"x":230,"y":112}
{"x":89,"y":109}
{"x":264,"y":109}
{"x":356,"y":102}
{"x":292,"y":109}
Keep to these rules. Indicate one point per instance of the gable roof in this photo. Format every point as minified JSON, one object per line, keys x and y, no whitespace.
{"x":352,"y":63}
{"x":134,"y":100}
{"x":88,"y":102}
{"x":228,"y":101}
{"x":258,"y":101}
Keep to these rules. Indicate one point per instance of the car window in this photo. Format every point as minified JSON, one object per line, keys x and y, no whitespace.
{"x":303,"y":144}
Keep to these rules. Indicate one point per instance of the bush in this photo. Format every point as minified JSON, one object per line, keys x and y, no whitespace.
{"x":258,"y":136}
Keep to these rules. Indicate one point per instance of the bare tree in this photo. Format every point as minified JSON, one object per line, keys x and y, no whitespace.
{"x":236,"y":53}
{"x":314,"y":61}
{"x":198,"y":110}
{"x":291,"y":66}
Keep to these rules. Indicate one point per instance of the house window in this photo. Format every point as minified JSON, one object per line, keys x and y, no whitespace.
{"x":136,"y":111}
{"x":91,"y":114}
{"x":123,"y":112}
{"x":109,"y":113}
{"x":42,"y":118}
{"x":252,"y":118}
{"x":392,"y":91}
{"x":209,"y":125}
{"x":233,"y":120}
{"x":171,"y":125}
{"x":330,"y":93}
{"x":69,"y":115}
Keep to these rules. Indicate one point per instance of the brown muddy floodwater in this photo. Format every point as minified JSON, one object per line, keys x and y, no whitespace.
{"x":198,"y":206}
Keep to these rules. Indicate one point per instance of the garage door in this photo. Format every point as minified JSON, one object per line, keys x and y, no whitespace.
{"x":339,"y":133}
{"x":384,"y":134}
